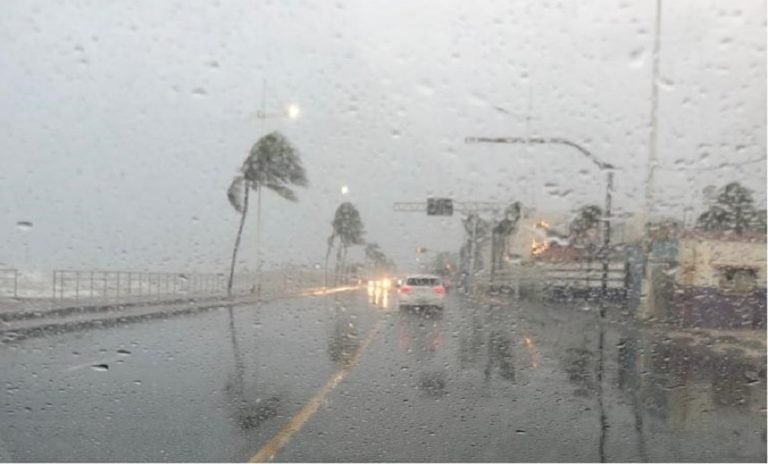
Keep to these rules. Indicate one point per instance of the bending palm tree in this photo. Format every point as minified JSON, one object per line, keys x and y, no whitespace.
{"x":348,"y":229}
{"x":272,"y":163}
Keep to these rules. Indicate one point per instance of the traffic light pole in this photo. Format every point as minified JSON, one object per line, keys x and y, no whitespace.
{"x":600,"y":164}
{"x":472,"y":208}
{"x":473,"y":251}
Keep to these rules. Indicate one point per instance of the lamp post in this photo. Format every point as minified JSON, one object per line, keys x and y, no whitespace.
{"x":292,"y":112}
{"x":600,"y":164}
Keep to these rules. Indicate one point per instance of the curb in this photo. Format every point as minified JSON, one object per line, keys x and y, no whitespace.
{"x":54,"y":328}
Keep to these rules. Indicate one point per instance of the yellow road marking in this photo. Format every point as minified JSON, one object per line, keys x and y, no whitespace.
{"x":271,"y":448}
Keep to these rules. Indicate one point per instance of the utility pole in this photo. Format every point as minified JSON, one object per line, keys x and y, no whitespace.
{"x":472,"y":250}
{"x":653,"y":135}
{"x":607,"y":233}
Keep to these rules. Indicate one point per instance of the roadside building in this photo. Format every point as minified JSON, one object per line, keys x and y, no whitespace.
{"x":706,"y":279}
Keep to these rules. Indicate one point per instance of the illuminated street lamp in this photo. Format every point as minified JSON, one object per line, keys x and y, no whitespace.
{"x":292,"y":112}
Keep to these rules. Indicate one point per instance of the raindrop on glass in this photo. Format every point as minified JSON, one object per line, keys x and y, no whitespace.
{"x":24,"y":225}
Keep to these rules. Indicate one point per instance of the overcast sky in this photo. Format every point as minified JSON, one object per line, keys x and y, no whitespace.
{"x":122,"y":122}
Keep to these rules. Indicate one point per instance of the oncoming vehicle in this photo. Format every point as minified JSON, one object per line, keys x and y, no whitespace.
{"x":421,"y":290}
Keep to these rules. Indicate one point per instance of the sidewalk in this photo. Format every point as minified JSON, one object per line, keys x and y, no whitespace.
{"x":24,"y":305}
{"x":751,"y":342}
{"x":55,"y":321}
{"x":22,"y":308}
{"x":38,"y":322}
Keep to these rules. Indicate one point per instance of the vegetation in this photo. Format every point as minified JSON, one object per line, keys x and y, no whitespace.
{"x":445,"y":263}
{"x":733,"y":210}
{"x":273,"y":163}
{"x":481,"y":228}
{"x":503,"y":230}
{"x":584,"y":225}
{"x":347,"y":230}
{"x":377,"y":261}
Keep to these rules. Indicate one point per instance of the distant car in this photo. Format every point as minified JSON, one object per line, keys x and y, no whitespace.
{"x":421,"y":290}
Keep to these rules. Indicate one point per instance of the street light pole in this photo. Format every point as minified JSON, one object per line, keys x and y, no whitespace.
{"x":653,"y":134}
{"x":472,"y":251}
{"x":607,"y":232}
{"x":600,"y":164}
{"x":292,"y":112}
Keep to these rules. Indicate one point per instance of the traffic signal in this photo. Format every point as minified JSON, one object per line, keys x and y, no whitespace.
{"x":439,"y":207}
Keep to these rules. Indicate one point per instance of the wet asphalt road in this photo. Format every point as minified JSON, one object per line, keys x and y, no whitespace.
{"x":350,"y":377}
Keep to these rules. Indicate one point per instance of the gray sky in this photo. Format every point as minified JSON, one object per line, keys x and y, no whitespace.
{"x":123,"y":122}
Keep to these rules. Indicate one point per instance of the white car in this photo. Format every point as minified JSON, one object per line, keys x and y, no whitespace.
{"x":421,"y":290}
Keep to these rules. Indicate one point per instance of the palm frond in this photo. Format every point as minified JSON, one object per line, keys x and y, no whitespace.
{"x":283,"y":191}
{"x":235,"y":193}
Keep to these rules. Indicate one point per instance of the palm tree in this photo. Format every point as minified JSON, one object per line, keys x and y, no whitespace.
{"x":377,"y":260}
{"x":348,"y":230}
{"x":272,"y":163}
{"x":373,"y":252}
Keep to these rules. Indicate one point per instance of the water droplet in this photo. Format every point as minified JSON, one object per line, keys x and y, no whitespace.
{"x":637,"y":58}
{"x":666,"y":84}
{"x":100,"y":367}
{"x":24,"y":225}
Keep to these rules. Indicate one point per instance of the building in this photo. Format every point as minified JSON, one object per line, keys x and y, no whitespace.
{"x":706,"y":279}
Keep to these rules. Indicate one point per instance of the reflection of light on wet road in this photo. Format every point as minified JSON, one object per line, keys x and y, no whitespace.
{"x":532,"y":350}
{"x":327,"y":291}
{"x":378,"y":296}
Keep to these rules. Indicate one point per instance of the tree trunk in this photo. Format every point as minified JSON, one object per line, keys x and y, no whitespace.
{"x":258,"y":241}
{"x":237,"y":240}
{"x":338,"y":264}
{"x":327,"y":254}
{"x":344,"y":273}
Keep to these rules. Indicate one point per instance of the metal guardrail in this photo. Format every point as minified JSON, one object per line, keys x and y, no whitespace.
{"x":77,"y":284}
{"x":9,"y":283}
{"x":127,"y":285}
{"x":567,"y":278}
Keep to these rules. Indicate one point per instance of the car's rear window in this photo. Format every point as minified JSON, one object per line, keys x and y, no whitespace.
{"x":422,"y":282}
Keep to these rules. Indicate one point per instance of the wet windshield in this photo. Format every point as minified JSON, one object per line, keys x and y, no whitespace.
{"x":383,"y":231}
{"x":422,"y":282}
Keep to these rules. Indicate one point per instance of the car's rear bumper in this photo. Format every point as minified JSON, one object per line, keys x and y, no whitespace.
{"x":409,"y":300}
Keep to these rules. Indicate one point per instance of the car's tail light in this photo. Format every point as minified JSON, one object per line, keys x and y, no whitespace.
{"x":440,"y":290}
{"x":405,"y":289}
